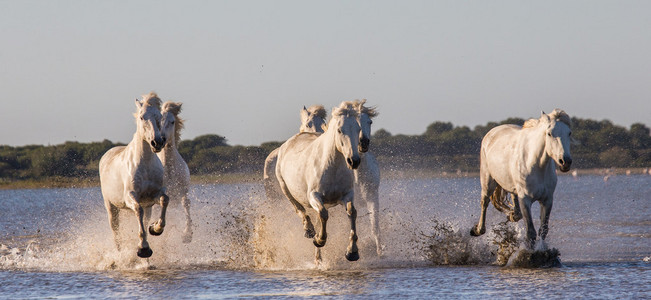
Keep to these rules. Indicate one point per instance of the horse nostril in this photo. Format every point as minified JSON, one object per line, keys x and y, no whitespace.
{"x":153,"y":143}
{"x":355,"y":163}
{"x":349,"y":161}
{"x":561,"y":162}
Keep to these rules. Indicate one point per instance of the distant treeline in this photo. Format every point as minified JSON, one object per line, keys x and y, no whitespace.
{"x":443,"y":147}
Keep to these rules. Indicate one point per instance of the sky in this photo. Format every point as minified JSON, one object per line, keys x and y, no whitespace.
{"x":70,"y":70}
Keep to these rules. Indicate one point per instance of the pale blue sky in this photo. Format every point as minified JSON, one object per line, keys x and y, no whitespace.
{"x":70,"y":70}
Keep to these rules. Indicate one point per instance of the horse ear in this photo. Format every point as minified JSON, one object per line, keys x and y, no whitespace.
{"x":544,"y":116}
{"x":138,"y":103}
{"x":304,"y":113}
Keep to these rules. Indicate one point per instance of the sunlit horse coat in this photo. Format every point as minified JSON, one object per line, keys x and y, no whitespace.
{"x":522,"y":161}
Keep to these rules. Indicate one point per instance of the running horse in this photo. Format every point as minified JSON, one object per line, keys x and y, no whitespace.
{"x":522,"y":161}
{"x":315,"y":170}
{"x":177,"y":174}
{"x":131,"y":176}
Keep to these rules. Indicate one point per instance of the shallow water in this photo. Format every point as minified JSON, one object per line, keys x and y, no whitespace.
{"x":57,"y":243}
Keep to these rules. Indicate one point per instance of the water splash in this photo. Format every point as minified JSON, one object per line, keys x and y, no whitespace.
{"x":237,"y":227}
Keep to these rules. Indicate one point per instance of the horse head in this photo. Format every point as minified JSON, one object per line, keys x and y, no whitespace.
{"x":313,"y":119}
{"x":365,"y":115}
{"x":557,"y":138}
{"x":346,"y":131}
{"x":148,"y":120}
{"x":171,"y":124}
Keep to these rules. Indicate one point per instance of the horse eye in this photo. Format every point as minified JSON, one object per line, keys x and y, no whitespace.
{"x":370,"y":122}
{"x":549,"y":134}
{"x":569,"y":134}
{"x":339,"y":130}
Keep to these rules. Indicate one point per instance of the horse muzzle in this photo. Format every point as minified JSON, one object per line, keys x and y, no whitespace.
{"x":363,"y":145}
{"x":564,"y":164}
{"x":353,"y":162}
{"x":158,"y":144}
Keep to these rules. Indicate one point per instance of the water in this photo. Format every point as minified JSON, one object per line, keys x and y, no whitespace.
{"x":56,"y":243}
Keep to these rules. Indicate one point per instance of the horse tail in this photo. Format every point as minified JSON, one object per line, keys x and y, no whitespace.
{"x":498,"y":198}
{"x":269,"y":175}
{"x":270,"y":165}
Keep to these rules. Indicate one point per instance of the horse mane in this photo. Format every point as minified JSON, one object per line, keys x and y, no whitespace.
{"x":345,"y":109}
{"x":318,"y":110}
{"x":558,"y":115}
{"x":175,"y":109}
{"x":561,"y":116}
{"x":151,"y":99}
{"x":371,"y":111}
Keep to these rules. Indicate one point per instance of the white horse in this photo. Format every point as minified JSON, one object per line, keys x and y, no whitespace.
{"x":367,"y":175}
{"x":131,"y":176}
{"x":316,"y":170}
{"x":312,"y":120}
{"x":177,"y":174}
{"x":522,"y":161}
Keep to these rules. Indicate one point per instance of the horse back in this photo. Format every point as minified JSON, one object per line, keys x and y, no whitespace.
{"x":290,"y":164}
{"x":299,"y":142}
{"x":499,"y":153}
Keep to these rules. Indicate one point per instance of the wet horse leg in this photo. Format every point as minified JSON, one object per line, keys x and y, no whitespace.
{"x":114,"y":222}
{"x":487,"y":188}
{"x":143,"y":247}
{"x":187,"y":233}
{"x":300,"y":210}
{"x":352,"y":253}
{"x":370,"y":195}
{"x":545,"y":211}
{"x":516,"y":214}
{"x":157,"y":227}
{"x":316,"y":201}
{"x":525,"y":208}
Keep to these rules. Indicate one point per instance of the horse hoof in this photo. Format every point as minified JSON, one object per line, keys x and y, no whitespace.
{"x":145,"y":252}
{"x":319,"y":243}
{"x":515,"y":218}
{"x":152,"y":230}
{"x":352,"y":256}
{"x":473,"y":232}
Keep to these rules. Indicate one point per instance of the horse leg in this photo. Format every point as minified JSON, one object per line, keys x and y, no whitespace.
{"x":143,"y":247}
{"x":352,"y":253}
{"x":370,"y":195}
{"x":525,"y":208}
{"x":300,"y":210}
{"x":545,"y":211}
{"x":316,"y":202}
{"x":187,"y":233}
{"x":114,"y":222}
{"x":487,"y":188}
{"x":157,"y":227}
{"x":147,"y":216}
{"x":317,"y":256}
{"x":515,"y":215}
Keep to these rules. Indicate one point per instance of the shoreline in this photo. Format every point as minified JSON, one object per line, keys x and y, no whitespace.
{"x":234,"y":178}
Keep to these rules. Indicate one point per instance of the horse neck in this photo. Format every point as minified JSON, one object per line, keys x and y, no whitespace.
{"x":139,"y":148}
{"x":536,"y":156}
{"x":169,"y":152}
{"x":327,"y":148}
